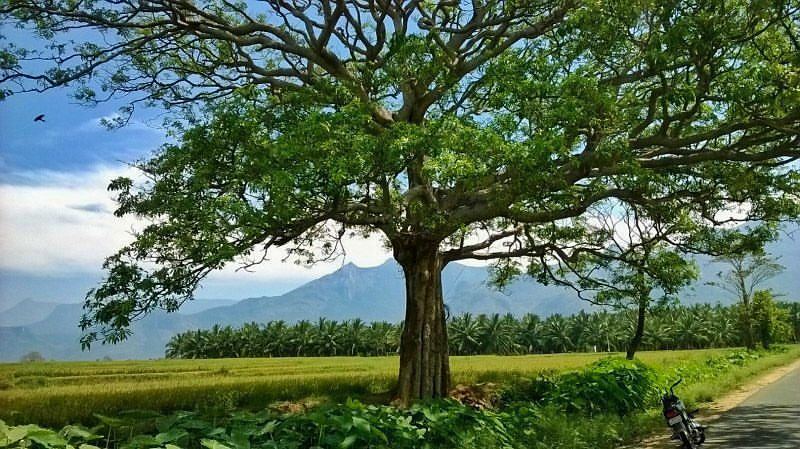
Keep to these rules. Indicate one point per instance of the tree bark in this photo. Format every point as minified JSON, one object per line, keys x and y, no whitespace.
{"x":636,"y":341}
{"x":747,"y":323}
{"x":424,"y":363}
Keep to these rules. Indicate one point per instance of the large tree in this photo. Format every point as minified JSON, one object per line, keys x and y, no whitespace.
{"x":457,"y":130}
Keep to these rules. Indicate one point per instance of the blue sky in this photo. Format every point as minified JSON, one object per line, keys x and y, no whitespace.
{"x":56,"y":221}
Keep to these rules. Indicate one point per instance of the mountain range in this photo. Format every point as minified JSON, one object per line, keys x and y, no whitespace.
{"x":372,"y":294}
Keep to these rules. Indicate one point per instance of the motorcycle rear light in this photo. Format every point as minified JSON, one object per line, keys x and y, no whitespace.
{"x":671,"y":413}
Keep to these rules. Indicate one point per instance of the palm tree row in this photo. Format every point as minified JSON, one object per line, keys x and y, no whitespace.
{"x":277,"y":339}
{"x":676,"y":327}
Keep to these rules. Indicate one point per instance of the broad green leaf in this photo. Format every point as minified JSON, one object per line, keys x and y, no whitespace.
{"x":348,"y":441}
{"x":213,"y":444}
{"x":361,"y":424}
{"x":12,"y":435}
{"x":171,"y":436}
{"x":79,"y":432}
{"x":46,"y":438}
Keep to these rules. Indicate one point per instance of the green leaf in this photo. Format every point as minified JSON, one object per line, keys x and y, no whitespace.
{"x":79,"y":432}
{"x":240,"y":439}
{"x":361,"y":424}
{"x":12,"y":435}
{"x":142,"y":441}
{"x":269,"y":427}
{"x":171,"y":436}
{"x":46,"y":438}
{"x":348,"y":441}
{"x":213,"y":444}
{"x":110,"y":421}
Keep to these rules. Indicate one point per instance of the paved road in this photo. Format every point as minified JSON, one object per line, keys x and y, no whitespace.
{"x":770,"y":419}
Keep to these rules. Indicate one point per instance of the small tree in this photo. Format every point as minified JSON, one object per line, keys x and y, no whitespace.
{"x":748,"y":270}
{"x":771,"y":323}
{"x":792,"y":310}
{"x":33,"y":356}
{"x":634,"y":268}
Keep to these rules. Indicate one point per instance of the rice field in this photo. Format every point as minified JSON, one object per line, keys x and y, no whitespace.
{"x":54,"y":393}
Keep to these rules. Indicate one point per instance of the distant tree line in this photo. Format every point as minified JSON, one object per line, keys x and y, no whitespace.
{"x":33,"y":356}
{"x":674,"y":327}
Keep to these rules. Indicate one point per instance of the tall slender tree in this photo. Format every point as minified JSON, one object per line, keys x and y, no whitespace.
{"x":747,"y":272}
{"x":636,"y":268}
{"x":457,"y":130}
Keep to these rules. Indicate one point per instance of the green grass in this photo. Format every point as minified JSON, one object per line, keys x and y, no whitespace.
{"x":56,"y":393}
{"x":707,"y":390}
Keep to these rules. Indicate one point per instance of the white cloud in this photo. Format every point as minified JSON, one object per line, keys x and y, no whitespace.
{"x":62,"y":222}
{"x":46,"y":225}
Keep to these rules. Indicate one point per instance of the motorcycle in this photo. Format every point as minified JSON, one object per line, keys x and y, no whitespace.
{"x":684,"y":427}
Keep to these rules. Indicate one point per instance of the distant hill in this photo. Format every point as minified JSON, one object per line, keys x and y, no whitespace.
{"x":378,"y":294}
{"x":30,"y":311}
{"x":372,"y":294}
{"x":200,"y":305}
{"x":25,"y":312}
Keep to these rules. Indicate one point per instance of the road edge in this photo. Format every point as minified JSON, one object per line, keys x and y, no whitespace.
{"x":732,"y":399}
{"x":715,"y":409}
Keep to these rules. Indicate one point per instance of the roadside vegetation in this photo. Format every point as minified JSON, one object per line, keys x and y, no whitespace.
{"x":56,"y":393}
{"x":674,"y":327}
{"x":563,"y":401}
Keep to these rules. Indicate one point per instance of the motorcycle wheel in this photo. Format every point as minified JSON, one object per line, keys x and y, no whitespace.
{"x":701,"y":437}
{"x":687,"y":442}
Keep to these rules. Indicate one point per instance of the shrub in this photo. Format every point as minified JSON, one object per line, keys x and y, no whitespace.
{"x":607,"y":386}
{"x":610,"y":385}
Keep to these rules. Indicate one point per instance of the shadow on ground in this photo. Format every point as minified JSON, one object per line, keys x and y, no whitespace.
{"x":756,"y":427}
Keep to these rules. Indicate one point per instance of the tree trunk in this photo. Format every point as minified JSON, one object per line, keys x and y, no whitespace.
{"x":424,"y":364}
{"x":636,"y":341}
{"x":747,"y":323}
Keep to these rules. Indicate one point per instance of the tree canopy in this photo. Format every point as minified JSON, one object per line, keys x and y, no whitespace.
{"x":458,"y":130}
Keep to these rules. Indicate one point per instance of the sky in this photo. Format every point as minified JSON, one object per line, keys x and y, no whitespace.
{"x":56,"y":220}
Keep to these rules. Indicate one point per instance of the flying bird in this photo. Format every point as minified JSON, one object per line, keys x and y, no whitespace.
{"x":39,"y":118}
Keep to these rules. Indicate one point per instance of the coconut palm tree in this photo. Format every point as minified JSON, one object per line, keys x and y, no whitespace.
{"x":329,"y":337}
{"x":465,"y":334}
{"x":530,"y":334}
{"x":497,"y":334}
{"x":302,"y":338}
{"x":557,"y":332}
